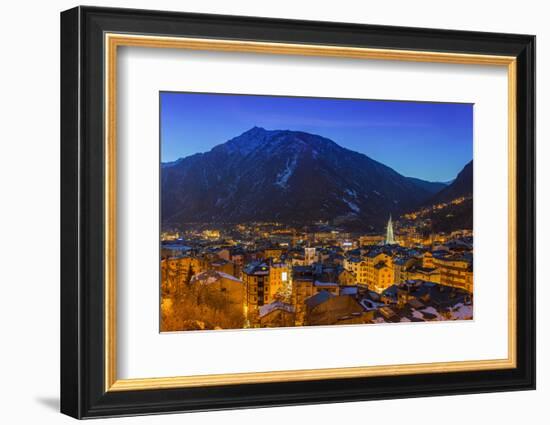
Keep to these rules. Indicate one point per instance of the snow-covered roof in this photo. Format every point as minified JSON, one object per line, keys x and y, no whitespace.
{"x":275,"y":305}
{"x":326,"y":284}
{"x":211,"y":276}
{"x":369,"y":304}
{"x":462,"y":312}
{"x":348,"y":290}
{"x":257,"y":268}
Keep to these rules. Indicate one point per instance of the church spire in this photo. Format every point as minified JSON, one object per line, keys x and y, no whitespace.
{"x":389,"y":233}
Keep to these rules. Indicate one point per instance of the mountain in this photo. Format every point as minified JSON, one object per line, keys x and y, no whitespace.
{"x":286,"y":176}
{"x":432,"y":187}
{"x":455,"y":216}
{"x":462,"y":185}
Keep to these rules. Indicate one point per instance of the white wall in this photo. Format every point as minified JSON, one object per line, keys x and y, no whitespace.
{"x":29,"y":224}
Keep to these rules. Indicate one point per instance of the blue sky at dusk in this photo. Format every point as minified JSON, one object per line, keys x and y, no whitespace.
{"x":431,"y":141}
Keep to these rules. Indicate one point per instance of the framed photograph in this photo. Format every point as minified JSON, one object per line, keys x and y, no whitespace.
{"x":261,"y":212}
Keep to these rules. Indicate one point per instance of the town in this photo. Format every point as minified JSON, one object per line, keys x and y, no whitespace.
{"x":258,"y":275}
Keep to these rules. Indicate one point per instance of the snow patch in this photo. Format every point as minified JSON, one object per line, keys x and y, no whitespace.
{"x":282,"y":178}
{"x":351,"y":192}
{"x":276,"y":305}
{"x":462,"y":312}
{"x":211,"y":276}
{"x":416,"y":314}
{"x":353,"y":206}
{"x":434,"y":312}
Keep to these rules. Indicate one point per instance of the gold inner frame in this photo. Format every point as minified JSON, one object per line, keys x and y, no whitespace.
{"x":113,"y":41}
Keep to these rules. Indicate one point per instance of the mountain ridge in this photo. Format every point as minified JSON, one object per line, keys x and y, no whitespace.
{"x":461,"y":186}
{"x":288,"y":176}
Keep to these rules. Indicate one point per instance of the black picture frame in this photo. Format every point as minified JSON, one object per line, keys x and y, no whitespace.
{"x":82,"y":212}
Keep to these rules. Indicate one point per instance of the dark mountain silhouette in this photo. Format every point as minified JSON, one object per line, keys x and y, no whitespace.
{"x":462,"y":185}
{"x":286,"y":176}
{"x":432,"y":187}
{"x":455,"y":216}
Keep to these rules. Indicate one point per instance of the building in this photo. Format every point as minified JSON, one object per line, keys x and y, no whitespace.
{"x":347,"y":244}
{"x":383,"y":277}
{"x":330,"y":287}
{"x":174,"y":249}
{"x":223,"y":266}
{"x":302,"y":289}
{"x":297,"y":260}
{"x":325,"y":236}
{"x":400,"y":267}
{"x":373,"y":239}
{"x":427,"y":297}
{"x":428,"y":260}
{"x":169,"y":236}
{"x":273,"y":253}
{"x":277,"y":314}
{"x":420,"y":301}
{"x":237,"y":258}
{"x":212,"y":234}
{"x":346,"y":277}
{"x":427,"y":274}
{"x":310,"y":256}
{"x":221,"y":299}
{"x":233,"y":289}
{"x":178,"y":271}
{"x":327,"y":309}
{"x":375,"y":273}
{"x":358,"y":267}
{"x":455,"y":270}
{"x":256,"y":280}
{"x":279,"y":282}
{"x":224,"y":253}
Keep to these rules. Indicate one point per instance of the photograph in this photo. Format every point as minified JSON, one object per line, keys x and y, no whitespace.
{"x":284,"y":211}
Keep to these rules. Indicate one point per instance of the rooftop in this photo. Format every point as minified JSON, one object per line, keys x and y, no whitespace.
{"x":327,"y":284}
{"x":257,"y":268}
{"x":317,"y":299}
{"x":275,"y":305}
{"x":212,"y":276}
